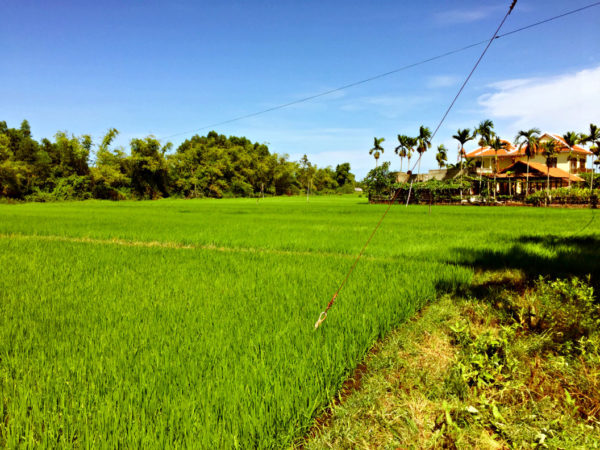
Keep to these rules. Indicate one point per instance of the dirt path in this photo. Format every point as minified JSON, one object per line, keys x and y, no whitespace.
{"x":180,"y":246}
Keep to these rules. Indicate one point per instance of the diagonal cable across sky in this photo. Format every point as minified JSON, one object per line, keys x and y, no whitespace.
{"x":381,"y":75}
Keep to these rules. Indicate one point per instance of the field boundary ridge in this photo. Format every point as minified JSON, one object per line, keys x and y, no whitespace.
{"x":179,"y":246}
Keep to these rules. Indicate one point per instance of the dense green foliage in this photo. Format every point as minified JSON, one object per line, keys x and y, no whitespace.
{"x":588,"y":179}
{"x":564,"y":196}
{"x":433,"y":191}
{"x":380,"y":180}
{"x":191,"y":322}
{"x":203,"y":166}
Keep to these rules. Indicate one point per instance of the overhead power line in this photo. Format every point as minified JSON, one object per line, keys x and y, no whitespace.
{"x":384,"y":74}
{"x":323,"y":315}
{"x":472,"y":71}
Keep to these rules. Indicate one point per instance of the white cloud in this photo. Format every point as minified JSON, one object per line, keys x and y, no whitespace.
{"x":556,"y":104}
{"x":440,"y":81}
{"x":510,"y":84}
{"x":387,"y":106}
{"x":456,"y":16}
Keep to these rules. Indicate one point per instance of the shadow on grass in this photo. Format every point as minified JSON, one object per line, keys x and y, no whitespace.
{"x":555,"y":256}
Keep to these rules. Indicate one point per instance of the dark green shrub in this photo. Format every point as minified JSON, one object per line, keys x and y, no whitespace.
{"x":563,"y":196}
{"x":564,"y":309}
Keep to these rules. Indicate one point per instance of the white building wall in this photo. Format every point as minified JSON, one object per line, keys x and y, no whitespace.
{"x":562,"y":162}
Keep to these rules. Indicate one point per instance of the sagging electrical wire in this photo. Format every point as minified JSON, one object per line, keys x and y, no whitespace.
{"x":323,"y":314}
{"x":381,"y":75}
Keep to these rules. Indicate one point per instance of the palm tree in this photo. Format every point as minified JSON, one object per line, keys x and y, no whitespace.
{"x":423,"y":142}
{"x":529,"y":141}
{"x":594,"y":139}
{"x":509,"y":173}
{"x":486,"y":133}
{"x":377,"y":149}
{"x":402,"y":149}
{"x":441,"y":156}
{"x":496,"y":144}
{"x":462,"y":136}
{"x":410,"y":143}
{"x":549,"y":152}
{"x":571,"y":139}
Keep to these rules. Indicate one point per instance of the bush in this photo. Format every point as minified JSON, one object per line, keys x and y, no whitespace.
{"x":434,"y":191}
{"x":588,"y":178}
{"x":347,"y":188}
{"x":568,"y":310}
{"x":564,"y":310}
{"x":241,"y":189}
{"x":75,"y":187}
{"x":563,"y":196}
{"x":379,"y":181}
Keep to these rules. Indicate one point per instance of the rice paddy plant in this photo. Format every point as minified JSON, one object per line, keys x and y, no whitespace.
{"x":191,"y":323}
{"x":326,"y":224}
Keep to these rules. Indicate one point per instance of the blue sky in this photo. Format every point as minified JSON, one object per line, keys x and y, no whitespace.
{"x":164,"y":68}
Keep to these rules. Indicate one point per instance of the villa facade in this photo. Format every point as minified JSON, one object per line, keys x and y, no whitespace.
{"x":516,"y":174}
{"x":569,"y":160}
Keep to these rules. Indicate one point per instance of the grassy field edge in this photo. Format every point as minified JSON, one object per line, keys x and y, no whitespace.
{"x":508,"y":364}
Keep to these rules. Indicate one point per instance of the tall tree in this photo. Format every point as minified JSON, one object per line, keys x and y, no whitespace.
{"x":377,"y":149}
{"x":496,"y":144}
{"x":462,"y":136}
{"x":380,"y":180}
{"x":5,"y":151}
{"x":73,"y":154}
{"x":25,"y":128}
{"x":549,"y":151}
{"x":485,"y":131}
{"x":529,"y":142}
{"x":343,"y":175}
{"x":423,"y":142}
{"x":148,"y":167}
{"x":441,"y":156}
{"x":571,"y":139}
{"x":324,"y":179}
{"x":593,"y":138}
{"x":109,"y":174}
{"x":410,"y":143}
{"x":307,"y":172}
{"x":401,"y":150}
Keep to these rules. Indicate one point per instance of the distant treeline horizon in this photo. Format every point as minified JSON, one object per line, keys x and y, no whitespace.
{"x":76,"y":168}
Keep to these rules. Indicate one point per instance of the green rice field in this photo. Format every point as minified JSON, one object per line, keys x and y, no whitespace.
{"x":190,"y":323}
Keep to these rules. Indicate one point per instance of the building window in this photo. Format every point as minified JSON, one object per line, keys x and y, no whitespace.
{"x":552,"y":162}
{"x":582,"y":163}
{"x":573,"y":164}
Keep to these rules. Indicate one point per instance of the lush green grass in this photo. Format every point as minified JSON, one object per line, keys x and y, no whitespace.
{"x":191,"y":322}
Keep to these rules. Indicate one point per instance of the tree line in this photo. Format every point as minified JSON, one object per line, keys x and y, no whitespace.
{"x":74,"y":167}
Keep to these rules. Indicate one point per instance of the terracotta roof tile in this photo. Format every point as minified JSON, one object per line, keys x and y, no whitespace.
{"x":563,"y":145}
{"x":488,"y":151}
{"x":513,"y":151}
{"x":555,"y":172}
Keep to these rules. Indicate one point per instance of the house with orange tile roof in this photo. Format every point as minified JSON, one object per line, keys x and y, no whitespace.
{"x":569,"y":159}
{"x":484,"y":157}
{"x":512,"y":164}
